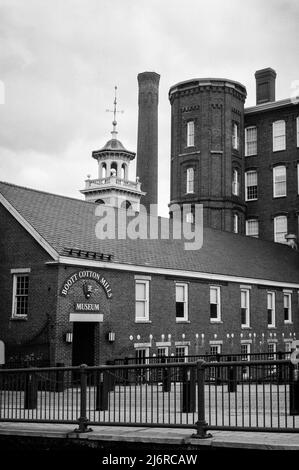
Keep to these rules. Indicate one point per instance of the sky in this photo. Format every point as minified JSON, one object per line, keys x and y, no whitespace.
{"x":60,"y":61}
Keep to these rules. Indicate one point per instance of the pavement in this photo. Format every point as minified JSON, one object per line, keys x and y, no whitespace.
{"x":157,"y":436}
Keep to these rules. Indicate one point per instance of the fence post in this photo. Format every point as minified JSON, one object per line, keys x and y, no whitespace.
{"x":30,"y":395}
{"x":166,"y":378}
{"x":232,"y":379}
{"x":294,"y":390}
{"x":59,"y":382}
{"x":102,"y":391}
{"x":82,"y":420}
{"x":201,"y":424}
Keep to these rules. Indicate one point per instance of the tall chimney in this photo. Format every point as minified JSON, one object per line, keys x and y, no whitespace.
{"x":147,"y":140}
{"x":265,"y":85}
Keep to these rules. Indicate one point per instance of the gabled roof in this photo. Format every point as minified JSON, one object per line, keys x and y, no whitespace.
{"x":64,"y":222}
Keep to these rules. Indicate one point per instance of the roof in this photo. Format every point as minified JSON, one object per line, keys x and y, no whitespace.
{"x":113,"y":145}
{"x":66,"y":222}
{"x":270,"y":105}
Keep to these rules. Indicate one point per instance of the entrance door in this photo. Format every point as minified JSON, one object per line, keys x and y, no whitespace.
{"x":83,"y":343}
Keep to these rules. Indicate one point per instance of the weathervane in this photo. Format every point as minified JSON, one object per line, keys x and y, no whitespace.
{"x":114,"y":111}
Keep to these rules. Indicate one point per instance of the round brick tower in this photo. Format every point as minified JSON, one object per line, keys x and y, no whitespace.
{"x":207,"y":163}
{"x":147,"y":141}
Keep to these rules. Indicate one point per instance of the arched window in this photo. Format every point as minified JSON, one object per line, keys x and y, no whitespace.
{"x":124,"y":171}
{"x":113,"y":169}
{"x":126,"y":205}
{"x":103,"y":170}
{"x":235,"y":183}
{"x":236,"y":223}
{"x":190,"y":134}
{"x":100,"y":201}
{"x":190,"y":180}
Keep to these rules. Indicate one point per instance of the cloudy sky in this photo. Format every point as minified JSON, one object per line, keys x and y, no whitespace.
{"x":61,"y":59}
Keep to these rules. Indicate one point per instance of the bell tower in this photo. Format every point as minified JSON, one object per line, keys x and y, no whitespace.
{"x":113,"y":187}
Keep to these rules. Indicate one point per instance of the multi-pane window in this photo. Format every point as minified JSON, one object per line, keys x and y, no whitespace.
{"x":279,"y":135}
{"x":271,"y":351}
{"x":245,"y":309}
{"x":181,"y":353}
{"x":287,"y":307}
{"x":235,"y":183}
{"x":252,"y":228}
{"x":190,"y":134}
{"x":271,"y":309}
{"x":141,"y":300}
{"x":250,"y":141}
{"x":279,"y":181}
{"x":181,"y":293}
{"x":235,"y":136}
{"x":141,"y":355}
{"x":245,"y":351}
{"x":215,"y":308}
{"x":190,"y":180}
{"x":20,"y":295}
{"x":215,"y":349}
{"x":236,"y":223}
{"x":280,"y":228}
{"x":251,"y":185}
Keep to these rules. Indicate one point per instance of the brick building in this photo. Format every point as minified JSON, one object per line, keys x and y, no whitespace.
{"x":70,"y":297}
{"x":241,"y":164}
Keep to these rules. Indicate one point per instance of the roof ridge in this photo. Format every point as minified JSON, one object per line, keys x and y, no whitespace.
{"x":44,"y":192}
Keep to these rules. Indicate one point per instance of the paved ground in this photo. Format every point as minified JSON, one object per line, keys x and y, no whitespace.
{"x":159,"y":436}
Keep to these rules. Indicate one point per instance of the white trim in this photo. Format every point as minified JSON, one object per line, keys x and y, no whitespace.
{"x":272,"y":340}
{"x":139,"y":277}
{"x":142,"y":345}
{"x":185,"y":286}
{"x":26,"y":225}
{"x":175,"y":272}
{"x":182,"y":343}
{"x":246,"y":341}
{"x":145,"y":283}
{"x":245,"y":286}
{"x":87,"y":317}
{"x":163,"y":344}
{"x":287,"y":291}
{"x":215,"y":342}
{"x":20,"y":271}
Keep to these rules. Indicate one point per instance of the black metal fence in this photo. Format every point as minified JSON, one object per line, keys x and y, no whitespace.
{"x":258,"y":395}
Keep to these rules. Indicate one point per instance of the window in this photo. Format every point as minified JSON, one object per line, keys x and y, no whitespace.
{"x":235,"y":183}
{"x":235,"y":136}
{"x":141,"y":355}
{"x":181,"y":353}
{"x":297,"y":178}
{"x":271,"y":351}
{"x":279,"y":181}
{"x":190,"y":134}
{"x":236,"y":223}
{"x":20,"y":295}
{"x":215,"y":349}
{"x":141,"y":300}
{"x":190,"y":180}
{"x":250,"y":185}
{"x":181,"y":292}
{"x":252,"y":228}
{"x":280,"y":228}
{"x":271,"y":309}
{"x":250,"y":141}
{"x":297,"y":127}
{"x":279,"y":135}
{"x":245,"y":351}
{"x":287,"y":307}
{"x":245,"y":312}
{"x":215,"y":308}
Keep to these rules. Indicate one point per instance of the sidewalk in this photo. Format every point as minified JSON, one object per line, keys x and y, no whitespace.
{"x":157,"y":436}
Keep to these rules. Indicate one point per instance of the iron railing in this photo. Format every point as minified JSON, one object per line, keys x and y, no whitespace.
{"x":258,"y":395}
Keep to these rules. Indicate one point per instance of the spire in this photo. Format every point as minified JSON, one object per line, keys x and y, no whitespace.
{"x":114,"y":122}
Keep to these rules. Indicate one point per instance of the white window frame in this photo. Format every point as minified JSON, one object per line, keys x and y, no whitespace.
{"x":249,"y":222}
{"x":246,"y":307}
{"x":246,"y":185}
{"x":185,"y":287}
{"x":274,"y":345}
{"x":279,"y":135}
{"x":277,"y":237}
{"x":218,"y":304}
{"x":183,"y":356}
{"x":277,"y":193}
{"x":16,"y":274}
{"x":251,"y":132}
{"x":287,"y":295}
{"x":235,"y":135}
{"x":235,"y":183}
{"x":190,"y":180}
{"x":145,"y":301}
{"x":190,"y":133}
{"x":236,"y":223}
{"x":271,"y":307}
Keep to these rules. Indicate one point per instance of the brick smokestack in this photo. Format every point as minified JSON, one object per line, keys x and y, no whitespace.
{"x":265,"y":85}
{"x":147,"y":140}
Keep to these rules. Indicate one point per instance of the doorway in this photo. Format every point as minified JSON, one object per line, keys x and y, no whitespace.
{"x":83,"y":343}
